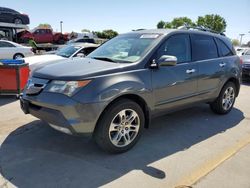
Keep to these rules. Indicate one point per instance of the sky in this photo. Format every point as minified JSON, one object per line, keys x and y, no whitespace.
{"x":124,"y":16}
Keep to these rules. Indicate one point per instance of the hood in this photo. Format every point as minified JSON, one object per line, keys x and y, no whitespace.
{"x":77,"y":69}
{"x":42,"y":59}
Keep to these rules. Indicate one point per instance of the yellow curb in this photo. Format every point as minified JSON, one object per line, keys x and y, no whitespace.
{"x":211,"y":164}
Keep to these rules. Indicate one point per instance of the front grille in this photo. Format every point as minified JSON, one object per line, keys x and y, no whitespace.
{"x":35,"y":86}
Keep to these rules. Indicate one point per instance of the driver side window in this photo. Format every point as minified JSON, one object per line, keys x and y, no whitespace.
{"x":178,"y":46}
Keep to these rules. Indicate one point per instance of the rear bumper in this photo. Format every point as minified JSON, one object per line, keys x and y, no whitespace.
{"x":63,"y":113}
{"x":246,"y":72}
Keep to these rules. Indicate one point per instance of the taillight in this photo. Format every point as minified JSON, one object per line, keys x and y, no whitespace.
{"x":241,"y":61}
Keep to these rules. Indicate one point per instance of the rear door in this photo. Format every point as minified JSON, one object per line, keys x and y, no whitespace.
{"x":211,"y":67}
{"x":175,"y":86}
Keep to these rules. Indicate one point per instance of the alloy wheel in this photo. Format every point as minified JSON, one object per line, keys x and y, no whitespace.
{"x":124,"y":128}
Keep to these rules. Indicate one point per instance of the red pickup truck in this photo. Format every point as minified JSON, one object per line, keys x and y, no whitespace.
{"x":43,"y":36}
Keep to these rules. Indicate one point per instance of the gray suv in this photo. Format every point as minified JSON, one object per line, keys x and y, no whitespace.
{"x":115,"y":91}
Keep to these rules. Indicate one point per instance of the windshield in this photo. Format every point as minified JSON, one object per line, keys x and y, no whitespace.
{"x":67,"y":51}
{"x":124,"y":49}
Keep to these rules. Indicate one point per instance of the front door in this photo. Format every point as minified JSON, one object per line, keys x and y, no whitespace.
{"x":175,"y":86}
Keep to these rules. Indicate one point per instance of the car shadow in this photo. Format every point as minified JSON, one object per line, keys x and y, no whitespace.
{"x":36,"y":155}
{"x":6,"y":99}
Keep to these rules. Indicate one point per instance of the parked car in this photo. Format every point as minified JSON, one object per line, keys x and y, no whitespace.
{"x":82,"y":40}
{"x":117,"y":89}
{"x":12,"y":16}
{"x":246,"y":64}
{"x":241,"y":50}
{"x":43,"y":35}
{"x":69,"y":51}
{"x":12,"y":50}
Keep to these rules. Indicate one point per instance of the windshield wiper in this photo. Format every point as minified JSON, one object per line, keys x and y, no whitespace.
{"x":104,"y":59}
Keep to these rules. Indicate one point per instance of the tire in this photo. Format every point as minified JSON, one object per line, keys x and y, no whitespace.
{"x":225,"y":102}
{"x":115,"y":139}
{"x":18,"y":56}
{"x":18,"y":21}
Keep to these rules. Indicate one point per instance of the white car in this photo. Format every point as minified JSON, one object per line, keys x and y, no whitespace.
{"x":241,"y":50}
{"x":12,"y":50}
{"x":69,"y":51}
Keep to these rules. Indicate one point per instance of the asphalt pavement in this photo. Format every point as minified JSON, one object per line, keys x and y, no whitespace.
{"x":192,"y":147}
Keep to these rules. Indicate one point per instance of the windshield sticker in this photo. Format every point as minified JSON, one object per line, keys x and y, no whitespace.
{"x":149,"y":36}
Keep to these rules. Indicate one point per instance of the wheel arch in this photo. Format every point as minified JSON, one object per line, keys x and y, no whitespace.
{"x":236,"y":82}
{"x":137,"y":99}
{"x":18,"y":53}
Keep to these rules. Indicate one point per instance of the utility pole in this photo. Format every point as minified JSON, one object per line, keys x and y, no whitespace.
{"x":61,"y":22}
{"x":241,"y":36}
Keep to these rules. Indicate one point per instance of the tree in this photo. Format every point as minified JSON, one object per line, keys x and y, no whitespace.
{"x":235,"y":42}
{"x":45,"y":25}
{"x":161,"y":24}
{"x":106,"y":34}
{"x":180,"y":21}
{"x":212,"y":21}
{"x":85,"y":30}
{"x":175,"y":23}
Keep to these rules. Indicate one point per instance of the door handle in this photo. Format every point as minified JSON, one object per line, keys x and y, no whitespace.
{"x":222,"y":64}
{"x":190,"y":71}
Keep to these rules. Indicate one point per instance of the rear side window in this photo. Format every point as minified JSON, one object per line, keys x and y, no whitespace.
{"x":203,"y":47}
{"x":5,"y":45}
{"x":223,"y":49}
{"x":178,"y":46}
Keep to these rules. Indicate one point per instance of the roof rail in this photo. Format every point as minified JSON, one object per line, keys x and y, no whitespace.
{"x":200,"y":28}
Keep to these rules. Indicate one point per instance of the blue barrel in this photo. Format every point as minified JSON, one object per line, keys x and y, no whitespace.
{"x":12,"y":61}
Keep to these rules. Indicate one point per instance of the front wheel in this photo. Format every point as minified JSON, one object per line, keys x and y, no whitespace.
{"x":224,"y":103}
{"x":120,"y":126}
{"x":18,"y":56}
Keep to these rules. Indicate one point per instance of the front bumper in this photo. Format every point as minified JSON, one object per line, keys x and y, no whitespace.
{"x":63,"y":113}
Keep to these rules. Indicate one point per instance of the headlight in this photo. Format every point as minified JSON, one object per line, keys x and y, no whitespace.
{"x":67,"y":87}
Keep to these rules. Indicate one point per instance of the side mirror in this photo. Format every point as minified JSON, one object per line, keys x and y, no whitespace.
{"x":167,"y":60}
{"x":80,"y":55}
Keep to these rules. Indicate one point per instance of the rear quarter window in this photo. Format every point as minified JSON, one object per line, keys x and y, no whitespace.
{"x":223,"y":49}
{"x":203,"y":47}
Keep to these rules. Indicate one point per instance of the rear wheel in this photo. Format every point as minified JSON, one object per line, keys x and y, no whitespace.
{"x":18,"y":21}
{"x":120,"y":126}
{"x":224,"y":103}
{"x":18,"y":56}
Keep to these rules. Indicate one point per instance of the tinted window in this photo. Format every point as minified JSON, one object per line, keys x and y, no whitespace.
{"x":86,"y":40}
{"x":203,"y":47}
{"x":223,"y":49}
{"x":6,"y":45}
{"x":9,"y":10}
{"x":177,"y":45}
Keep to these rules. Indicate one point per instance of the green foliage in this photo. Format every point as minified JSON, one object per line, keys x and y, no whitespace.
{"x":212,"y":21}
{"x":106,"y":34}
{"x":161,"y":24}
{"x":235,"y":42}
{"x":45,"y":25}
{"x":177,"y":22}
{"x":85,"y":30}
